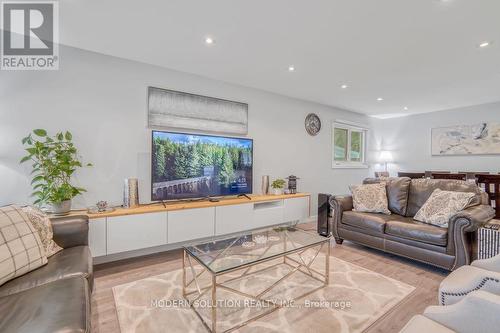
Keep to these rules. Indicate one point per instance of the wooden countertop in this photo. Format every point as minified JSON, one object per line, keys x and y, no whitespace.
{"x":180,"y":205}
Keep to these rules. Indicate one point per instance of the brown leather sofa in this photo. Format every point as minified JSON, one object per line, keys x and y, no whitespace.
{"x":56,"y":296}
{"x":400,"y":234}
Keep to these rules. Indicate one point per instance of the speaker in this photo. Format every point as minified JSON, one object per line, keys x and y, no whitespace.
{"x":323,"y":213}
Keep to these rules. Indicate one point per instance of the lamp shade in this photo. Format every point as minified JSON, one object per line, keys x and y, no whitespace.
{"x":385,"y":156}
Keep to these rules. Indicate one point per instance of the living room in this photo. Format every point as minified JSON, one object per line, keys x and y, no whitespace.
{"x":275,"y":126}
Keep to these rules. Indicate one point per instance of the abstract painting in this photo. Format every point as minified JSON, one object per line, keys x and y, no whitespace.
{"x":478,"y":139}
{"x":175,"y":109}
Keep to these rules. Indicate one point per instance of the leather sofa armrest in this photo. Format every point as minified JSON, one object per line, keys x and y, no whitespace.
{"x":71,"y":231}
{"x":338,"y":205}
{"x":460,"y":228}
{"x":341,"y":203}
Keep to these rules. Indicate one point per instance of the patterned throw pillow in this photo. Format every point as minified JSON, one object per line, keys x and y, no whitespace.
{"x":371,"y":198}
{"x":442,"y":205}
{"x":21,"y":249}
{"x":43,"y":226}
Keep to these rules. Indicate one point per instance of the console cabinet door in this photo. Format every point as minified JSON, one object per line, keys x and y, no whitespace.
{"x":234,"y":218}
{"x":97,"y":237}
{"x":132,"y":232}
{"x":190,"y":224}
{"x":296,"y":209}
{"x":268,"y":213}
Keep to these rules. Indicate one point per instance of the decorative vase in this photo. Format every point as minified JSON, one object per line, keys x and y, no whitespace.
{"x":131,"y":193}
{"x":276,"y":191}
{"x":61,"y":208}
{"x":265,"y":185}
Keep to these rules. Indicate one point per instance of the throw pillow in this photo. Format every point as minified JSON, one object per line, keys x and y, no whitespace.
{"x":43,"y":226}
{"x":21,"y":249}
{"x":371,"y":198}
{"x":442,"y":205}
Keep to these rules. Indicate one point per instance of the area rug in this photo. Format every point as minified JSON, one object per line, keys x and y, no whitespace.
{"x":353,"y":301}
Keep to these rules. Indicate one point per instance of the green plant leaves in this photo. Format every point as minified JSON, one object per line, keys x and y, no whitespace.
{"x":37,"y":179}
{"x":40,"y":132}
{"x":55,"y":160}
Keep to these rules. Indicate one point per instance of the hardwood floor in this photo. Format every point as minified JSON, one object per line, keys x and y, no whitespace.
{"x":425,"y":278}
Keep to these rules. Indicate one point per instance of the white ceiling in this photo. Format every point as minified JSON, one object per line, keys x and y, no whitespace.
{"x":422,"y":54}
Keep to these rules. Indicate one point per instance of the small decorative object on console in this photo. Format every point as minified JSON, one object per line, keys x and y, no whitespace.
{"x":131,"y":193}
{"x":292,"y":184}
{"x":100,"y":207}
{"x":265,"y":185}
{"x":277,"y":186}
{"x":312,"y":124}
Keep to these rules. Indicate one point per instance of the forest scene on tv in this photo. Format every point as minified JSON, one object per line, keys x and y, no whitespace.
{"x":194,"y":166}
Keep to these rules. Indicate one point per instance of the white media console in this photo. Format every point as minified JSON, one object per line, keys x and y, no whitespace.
{"x":154,"y":228}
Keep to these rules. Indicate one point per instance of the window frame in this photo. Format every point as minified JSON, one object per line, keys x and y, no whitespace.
{"x":348,"y":164}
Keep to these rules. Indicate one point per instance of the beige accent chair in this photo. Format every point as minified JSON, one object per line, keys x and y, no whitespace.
{"x":477,"y":312}
{"x":480,"y":275}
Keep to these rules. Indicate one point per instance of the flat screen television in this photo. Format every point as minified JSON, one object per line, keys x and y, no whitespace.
{"x":195,"y":166}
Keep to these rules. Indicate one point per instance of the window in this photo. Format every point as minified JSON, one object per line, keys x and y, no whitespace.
{"x":348,"y":146}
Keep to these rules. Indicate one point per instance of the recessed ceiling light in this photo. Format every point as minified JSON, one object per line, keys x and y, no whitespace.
{"x":291,"y":68}
{"x":405,"y":108}
{"x":484,"y":44}
{"x":344,"y":86}
{"x":380,"y":99}
{"x":209,"y":40}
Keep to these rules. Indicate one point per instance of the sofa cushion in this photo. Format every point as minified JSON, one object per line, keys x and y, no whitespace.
{"x":73,"y":261}
{"x":417,"y":231}
{"x":370,"y":221}
{"x":21,"y":249}
{"x":371,"y":198}
{"x":421,"y":190}
{"x":43,"y":226}
{"x":59,"y":306}
{"x":397,"y":192}
{"x":442,"y":205}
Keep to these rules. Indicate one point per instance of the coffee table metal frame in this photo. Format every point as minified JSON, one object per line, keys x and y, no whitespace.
{"x":296,"y":265}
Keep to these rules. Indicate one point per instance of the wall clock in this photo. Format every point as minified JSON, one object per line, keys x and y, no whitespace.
{"x":312,"y":124}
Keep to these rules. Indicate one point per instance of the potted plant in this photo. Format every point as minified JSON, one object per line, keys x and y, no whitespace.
{"x":55,"y":160}
{"x":277,"y":186}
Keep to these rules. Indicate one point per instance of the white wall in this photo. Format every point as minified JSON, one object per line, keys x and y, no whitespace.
{"x":102,"y":100}
{"x":409,"y":138}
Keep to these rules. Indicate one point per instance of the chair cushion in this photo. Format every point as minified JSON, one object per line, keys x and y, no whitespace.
{"x":73,"y":261}
{"x":466,"y":279}
{"x":370,"y":221}
{"x":59,"y":306}
{"x":397,"y":192}
{"x":417,"y":231}
{"x":419,"y":324}
{"x":421,"y":190}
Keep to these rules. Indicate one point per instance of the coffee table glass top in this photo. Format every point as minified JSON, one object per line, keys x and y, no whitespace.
{"x":251,"y":247}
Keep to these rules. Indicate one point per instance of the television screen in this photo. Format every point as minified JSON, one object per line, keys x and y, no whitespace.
{"x":195,"y":166}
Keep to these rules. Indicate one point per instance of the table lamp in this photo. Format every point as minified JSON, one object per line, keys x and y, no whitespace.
{"x":385,"y":157}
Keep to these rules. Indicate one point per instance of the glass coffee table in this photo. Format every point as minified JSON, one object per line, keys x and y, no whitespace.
{"x":213,"y":267}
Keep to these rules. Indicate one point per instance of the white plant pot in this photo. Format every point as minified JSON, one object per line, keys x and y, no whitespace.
{"x":62,"y":208}
{"x":276,"y":191}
